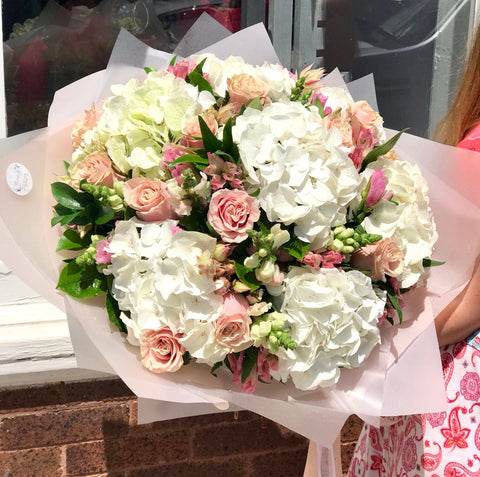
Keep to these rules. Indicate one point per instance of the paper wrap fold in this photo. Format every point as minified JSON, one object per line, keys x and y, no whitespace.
{"x":401,"y":376}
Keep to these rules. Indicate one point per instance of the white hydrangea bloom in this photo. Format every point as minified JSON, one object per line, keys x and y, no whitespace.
{"x":157,"y":281}
{"x":332,"y":316}
{"x":410,"y":223}
{"x":304,"y":175}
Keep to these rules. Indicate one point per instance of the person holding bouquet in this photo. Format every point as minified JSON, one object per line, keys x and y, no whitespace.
{"x":442,"y":443}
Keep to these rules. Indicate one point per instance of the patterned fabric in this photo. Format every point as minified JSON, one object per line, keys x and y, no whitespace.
{"x":435,"y":444}
{"x":471,"y":140}
{"x":445,"y":444}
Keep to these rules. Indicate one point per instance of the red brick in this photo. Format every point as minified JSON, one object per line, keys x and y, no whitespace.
{"x":129,"y":452}
{"x":78,"y":424}
{"x":351,"y":429}
{"x":230,"y":468}
{"x":87,"y":458}
{"x":274,"y":464}
{"x":54,"y":394}
{"x":32,"y":463}
{"x":243,"y":437}
{"x":29,"y":397}
{"x":97,"y":390}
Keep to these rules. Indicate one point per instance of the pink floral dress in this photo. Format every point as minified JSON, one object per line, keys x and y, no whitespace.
{"x":435,"y":444}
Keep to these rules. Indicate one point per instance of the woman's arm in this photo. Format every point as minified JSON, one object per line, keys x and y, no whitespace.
{"x":461,"y":317}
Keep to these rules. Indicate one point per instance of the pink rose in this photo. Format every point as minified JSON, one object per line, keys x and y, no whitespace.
{"x":243,"y":88}
{"x":381,"y":258}
{"x":192,"y":135}
{"x":232,"y":328}
{"x":150,"y":198}
{"x":88,"y":121}
{"x":232,"y":213}
{"x":161,"y":351}
{"x":96,"y":168}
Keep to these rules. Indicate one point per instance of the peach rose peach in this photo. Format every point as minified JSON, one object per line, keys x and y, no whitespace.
{"x":232,"y":328}
{"x":381,"y":258}
{"x":243,"y":88}
{"x":161,"y":351}
{"x":149,"y":198}
{"x":232,"y":213}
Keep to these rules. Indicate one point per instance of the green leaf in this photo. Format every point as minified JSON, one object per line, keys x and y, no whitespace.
{"x":255,"y":103}
{"x":247,"y":276}
{"x":228,"y":145}
{"x":173,"y":60}
{"x":378,"y":151}
{"x":68,"y":197}
{"x":217,"y":365}
{"x":104,"y":215}
{"x":427,"y":262}
{"x":67,"y":165}
{"x":187,"y":357}
{"x":192,"y":158}
{"x":71,"y":240}
{"x":296,"y":248}
{"x":113,"y":311}
{"x":320,"y":107}
{"x":149,"y":69}
{"x":255,"y":193}
{"x":64,"y":219}
{"x":249,"y":361}
{"x":210,"y":141}
{"x":82,"y":281}
{"x":393,"y":298}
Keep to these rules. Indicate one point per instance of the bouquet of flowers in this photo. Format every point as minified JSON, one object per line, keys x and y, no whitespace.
{"x":244,"y":217}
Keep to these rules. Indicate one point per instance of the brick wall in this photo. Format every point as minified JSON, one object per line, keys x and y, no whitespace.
{"x":88,"y":429}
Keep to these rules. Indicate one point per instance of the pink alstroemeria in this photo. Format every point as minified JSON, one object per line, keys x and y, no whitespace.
{"x":103,"y":252}
{"x":182,"y":68}
{"x":365,"y":141}
{"x":378,"y":182}
{"x":323,"y":99}
{"x":223,"y":172}
{"x":172,"y":152}
{"x":265,"y":363}
{"x":327,"y":259}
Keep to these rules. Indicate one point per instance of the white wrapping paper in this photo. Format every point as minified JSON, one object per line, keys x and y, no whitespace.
{"x":401,"y":376}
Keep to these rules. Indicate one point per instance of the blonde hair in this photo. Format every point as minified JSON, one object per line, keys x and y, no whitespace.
{"x":465,"y":110}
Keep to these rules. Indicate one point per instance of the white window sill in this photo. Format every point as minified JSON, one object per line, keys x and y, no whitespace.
{"x":35,"y":344}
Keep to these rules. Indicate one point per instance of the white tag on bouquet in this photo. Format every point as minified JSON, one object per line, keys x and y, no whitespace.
{"x":19,"y":178}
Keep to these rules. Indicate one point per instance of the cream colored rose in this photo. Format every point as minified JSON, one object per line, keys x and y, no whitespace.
{"x":230,"y":110}
{"x":381,"y":258}
{"x":243,"y":88}
{"x":96,"y":168}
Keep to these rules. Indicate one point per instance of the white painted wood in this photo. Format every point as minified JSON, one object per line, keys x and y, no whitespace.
{"x":280,"y":25}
